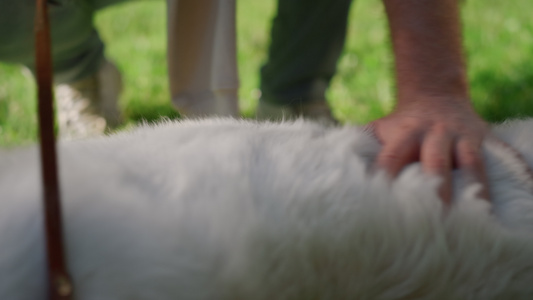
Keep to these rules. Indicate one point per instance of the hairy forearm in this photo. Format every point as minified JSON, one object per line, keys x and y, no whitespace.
{"x":426,"y":38}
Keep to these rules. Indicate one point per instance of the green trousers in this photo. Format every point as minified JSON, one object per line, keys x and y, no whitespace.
{"x":307,"y":38}
{"x":77,"y":49}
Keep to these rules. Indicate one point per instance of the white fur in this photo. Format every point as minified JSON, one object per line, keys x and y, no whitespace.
{"x":224,"y":209}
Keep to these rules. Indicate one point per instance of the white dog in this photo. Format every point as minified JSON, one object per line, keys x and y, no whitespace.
{"x":226,"y":209}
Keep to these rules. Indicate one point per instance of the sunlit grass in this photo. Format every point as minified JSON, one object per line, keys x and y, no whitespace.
{"x":498,"y":40}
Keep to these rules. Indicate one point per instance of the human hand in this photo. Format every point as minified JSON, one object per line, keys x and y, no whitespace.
{"x":441,"y":134}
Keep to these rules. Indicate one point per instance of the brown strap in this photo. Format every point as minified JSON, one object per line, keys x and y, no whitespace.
{"x":60,"y":285}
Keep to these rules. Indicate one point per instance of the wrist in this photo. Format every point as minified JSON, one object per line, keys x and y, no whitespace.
{"x":434,"y":104}
{"x":419,"y":82}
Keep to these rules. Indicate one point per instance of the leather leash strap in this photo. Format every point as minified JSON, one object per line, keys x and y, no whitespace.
{"x":60,"y":285}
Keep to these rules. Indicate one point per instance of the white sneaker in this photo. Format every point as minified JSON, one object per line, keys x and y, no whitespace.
{"x":89,"y":107}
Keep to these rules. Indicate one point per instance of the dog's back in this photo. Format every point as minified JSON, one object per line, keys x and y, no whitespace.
{"x":227,"y":209}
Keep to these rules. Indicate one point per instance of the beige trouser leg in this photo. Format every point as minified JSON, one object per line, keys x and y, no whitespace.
{"x":202,"y":57}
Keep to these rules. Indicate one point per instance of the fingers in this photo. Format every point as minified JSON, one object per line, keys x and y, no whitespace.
{"x":469,"y":159}
{"x":436,"y":159}
{"x":436,"y":152}
{"x":398,"y":153}
{"x":440,"y":146}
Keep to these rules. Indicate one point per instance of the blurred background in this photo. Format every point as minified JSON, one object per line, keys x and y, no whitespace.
{"x":498,"y":39}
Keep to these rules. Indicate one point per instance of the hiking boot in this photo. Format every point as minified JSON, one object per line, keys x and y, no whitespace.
{"x":88,"y":107}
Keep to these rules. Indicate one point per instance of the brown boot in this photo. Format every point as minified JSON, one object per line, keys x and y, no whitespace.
{"x":89,"y":107}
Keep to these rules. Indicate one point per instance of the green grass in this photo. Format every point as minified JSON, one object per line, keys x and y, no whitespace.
{"x":498,"y":41}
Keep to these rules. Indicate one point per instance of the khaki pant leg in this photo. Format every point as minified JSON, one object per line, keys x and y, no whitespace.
{"x":202,"y":57}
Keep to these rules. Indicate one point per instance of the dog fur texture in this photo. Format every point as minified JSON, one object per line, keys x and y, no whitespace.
{"x":226,"y":209}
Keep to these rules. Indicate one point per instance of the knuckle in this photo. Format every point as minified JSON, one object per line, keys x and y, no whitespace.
{"x":389,"y":158}
{"x":471,"y":158}
{"x":410,"y":124}
{"x":407,"y":126}
{"x":440,"y":129}
{"x":438,"y":164}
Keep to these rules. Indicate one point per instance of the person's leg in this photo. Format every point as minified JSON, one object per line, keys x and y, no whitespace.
{"x":307,"y":38}
{"x":88,"y":84}
{"x":77,"y":49}
{"x":202,"y":57}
